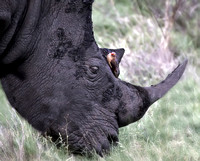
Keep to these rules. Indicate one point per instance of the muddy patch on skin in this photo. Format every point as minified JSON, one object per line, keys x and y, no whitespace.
{"x":80,"y":71}
{"x":122,"y":108}
{"x":60,"y":46}
{"x":71,"y":7}
{"x":110,"y":93}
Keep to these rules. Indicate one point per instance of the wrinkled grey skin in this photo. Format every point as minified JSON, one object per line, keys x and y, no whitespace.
{"x":58,"y":79}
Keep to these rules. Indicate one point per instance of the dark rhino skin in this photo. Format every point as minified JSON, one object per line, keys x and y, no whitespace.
{"x":57,"y":78}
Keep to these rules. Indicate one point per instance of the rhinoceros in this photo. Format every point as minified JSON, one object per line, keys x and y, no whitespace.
{"x":58,"y":79}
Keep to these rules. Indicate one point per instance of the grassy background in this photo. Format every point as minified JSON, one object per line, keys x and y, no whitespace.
{"x":171,"y":128}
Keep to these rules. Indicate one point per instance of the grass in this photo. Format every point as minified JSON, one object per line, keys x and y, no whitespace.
{"x":170,"y":130}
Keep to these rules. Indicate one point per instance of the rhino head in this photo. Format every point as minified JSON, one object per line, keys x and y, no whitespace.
{"x":58,"y":79}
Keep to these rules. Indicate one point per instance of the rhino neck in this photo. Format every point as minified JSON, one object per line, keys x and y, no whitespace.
{"x":19,"y":36}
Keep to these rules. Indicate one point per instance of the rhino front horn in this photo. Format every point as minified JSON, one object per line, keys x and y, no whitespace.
{"x":157,"y":91}
{"x":136,"y":100}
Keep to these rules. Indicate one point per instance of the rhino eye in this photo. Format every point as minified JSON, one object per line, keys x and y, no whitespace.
{"x":94,"y":69}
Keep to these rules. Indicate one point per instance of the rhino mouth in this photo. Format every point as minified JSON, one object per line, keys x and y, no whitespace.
{"x":85,"y":143}
{"x":86,"y":133}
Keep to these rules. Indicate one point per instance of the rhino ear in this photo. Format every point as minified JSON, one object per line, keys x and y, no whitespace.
{"x":119,"y":53}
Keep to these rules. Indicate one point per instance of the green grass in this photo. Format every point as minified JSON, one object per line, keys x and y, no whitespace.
{"x":170,"y":130}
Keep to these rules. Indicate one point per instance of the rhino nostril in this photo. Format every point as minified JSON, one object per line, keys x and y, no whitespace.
{"x":113,"y":139}
{"x":106,"y":147}
{"x":98,"y":150}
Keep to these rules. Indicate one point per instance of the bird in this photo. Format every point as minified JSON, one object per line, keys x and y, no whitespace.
{"x":112,"y":61}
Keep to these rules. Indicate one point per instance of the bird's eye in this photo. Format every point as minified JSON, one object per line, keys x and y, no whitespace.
{"x":94,"y":69}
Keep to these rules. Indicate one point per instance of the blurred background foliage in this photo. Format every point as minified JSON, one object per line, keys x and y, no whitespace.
{"x":156,"y":35}
{"x":139,"y":26}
